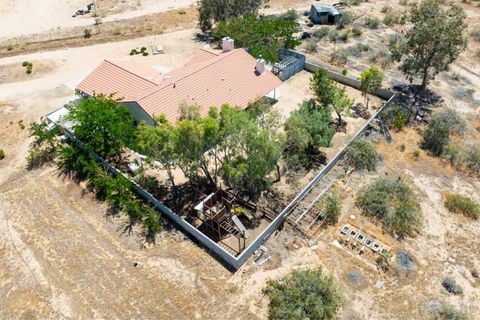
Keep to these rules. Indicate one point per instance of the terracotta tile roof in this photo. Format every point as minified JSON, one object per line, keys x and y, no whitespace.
{"x":201,"y":55}
{"x":124,"y":78}
{"x":208,"y":79}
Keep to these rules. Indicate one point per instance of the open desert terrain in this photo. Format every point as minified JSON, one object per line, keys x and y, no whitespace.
{"x":63,"y":256}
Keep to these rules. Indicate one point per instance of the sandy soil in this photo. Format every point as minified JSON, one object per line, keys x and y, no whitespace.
{"x":47,"y":15}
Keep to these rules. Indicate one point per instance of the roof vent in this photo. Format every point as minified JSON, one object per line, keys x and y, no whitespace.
{"x":260,"y":68}
{"x":227,"y":44}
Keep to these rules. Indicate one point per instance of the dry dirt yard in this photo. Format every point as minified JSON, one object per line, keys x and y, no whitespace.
{"x":62,"y":256}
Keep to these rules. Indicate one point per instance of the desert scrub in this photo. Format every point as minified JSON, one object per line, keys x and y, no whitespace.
{"x":2,"y":154}
{"x":448,"y":312}
{"x":321,"y":33}
{"x":476,"y":34}
{"x":457,"y":203}
{"x":372,"y":23}
{"x":394,"y":203}
{"x":87,"y":33}
{"x":340,"y":56}
{"x":436,"y":137}
{"x":473,"y":161}
{"x":361,"y":155}
{"x":311,"y":47}
{"x":451,"y":285}
{"x":356,"y":32}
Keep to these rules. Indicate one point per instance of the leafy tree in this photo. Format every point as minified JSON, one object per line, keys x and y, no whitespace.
{"x":371,"y":81}
{"x":260,"y":35}
{"x":45,"y":144}
{"x":251,"y":151}
{"x":156,"y":142}
{"x":303,"y":294}
{"x":394,"y":203}
{"x":103,"y":125}
{"x":329,"y":94}
{"x":435,"y":40}
{"x":194,"y":144}
{"x":361,"y":155}
{"x":306,"y":131}
{"x":443,"y":124}
{"x":214,"y":11}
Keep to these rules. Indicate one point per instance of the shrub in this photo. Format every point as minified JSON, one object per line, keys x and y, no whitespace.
{"x":303,"y":294}
{"x":361,"y":155}
{"x":437,"y":136}
{"x":384,"y":261}
{"x":9,"y":45}
{"x":372,"y":23}
{"x":416,"y":155}
{"x":332,"y":208}
{"x":133,"y":51}
{"x":391,"y":18}
{"x":394,"y":203}
{"x":475,"y":273}
{"x":473,"y":161}
{"x":457,"y":203}
{"x":30,"y":65}
{"x":476,"y":33}
{"x":356,"y":32}
{"x":403,"y":2}
{"x":453,"y":155}
{"x":321,"y":33}
{"x":28,"y":71}
{"x":311,"y":47}
{"x":452,"y":286}
{"x":344,"y":72}
{"x":2,"y":154}
{"x":347,"y":18}
{"x":362,"y":47}
{"x":386,"y":9}
{"x":142,"y":49}
{"x":339,"y":55}
{"x":87,"y":33}
{"x":145,"y":54}
{"x":24,"y":63}
{"x":38,"y":156}
{"x":448,"y":312}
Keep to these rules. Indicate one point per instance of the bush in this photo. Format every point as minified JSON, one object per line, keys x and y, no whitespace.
{"x":24,"y":63}
{"x":437,"y":136}
{"x":457,"y":203}
{"x":304,"y":294}
{"x":145,"y":54}
{"x":38,"y":156}
{"x":2,"y":154}
{"x":332,"y":208}
{"x":356,"y":32}
{"x":142,"y":49}
{"x":28,"y":71}
{"x":452,"y":286}
{"x":87,"y":33}
{"x":403,"y":2}
{"x":473,"y":161}
{"x":453,"y":155}
{"x":311,"y":47}
{"x":362,"y":47}
{"x":340,"y":55}
{"x":476,"y":33}
{"x":391,"y":18}
{"x":372,"y":23}
{"x":448,"y":312}
{"x":321,"y":33}
{"x":361,"y":155}
{"x":347,"y":18}
{"x":9,"y":45}
{"x":394,"y":203}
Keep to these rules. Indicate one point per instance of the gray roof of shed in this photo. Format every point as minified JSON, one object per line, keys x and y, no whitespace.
{"x":325,"y":8}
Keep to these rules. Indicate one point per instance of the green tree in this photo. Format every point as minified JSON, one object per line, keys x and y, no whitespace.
{"x":195,"y":141}
{"x":329,"y":94}
{"x":214,"y":11}
{"x":306,"y":130}
{"x":251,"y":151}
{"x":260,"y":35}
{"x":371,"y":81}
{"x":156,"y":142}
{"x":361,"y":155}
{"x":394,"y":203}
{"x":103,"y":125}
{"x":303,"y":294}
{"x":435,"y":40}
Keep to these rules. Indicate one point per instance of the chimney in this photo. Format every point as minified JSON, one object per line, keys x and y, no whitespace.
{"x":227,"y":44}
{"x":260,"y":68}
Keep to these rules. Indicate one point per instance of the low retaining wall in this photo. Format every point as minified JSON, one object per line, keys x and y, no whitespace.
{"x":354,"y":83}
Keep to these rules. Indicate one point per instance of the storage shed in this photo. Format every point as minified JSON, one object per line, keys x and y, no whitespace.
{"x":324,"y":14}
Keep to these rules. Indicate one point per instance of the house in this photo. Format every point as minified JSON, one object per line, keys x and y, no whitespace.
{"x":324,"y":14}
{"x":209,"y":79}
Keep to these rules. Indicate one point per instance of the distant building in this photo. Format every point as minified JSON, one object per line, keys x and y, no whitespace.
{"x":209,"y":79}
{"x":324,"y":14}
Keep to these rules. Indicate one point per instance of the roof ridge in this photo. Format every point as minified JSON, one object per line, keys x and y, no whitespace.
{"x":136,"y":75}
{"x":196,"y":71}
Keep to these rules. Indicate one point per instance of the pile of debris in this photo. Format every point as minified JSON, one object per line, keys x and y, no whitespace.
{"x":81,"y":12}
{"x":360,"y":110}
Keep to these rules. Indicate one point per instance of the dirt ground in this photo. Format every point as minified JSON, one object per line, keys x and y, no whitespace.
{"x":61,"y":256}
